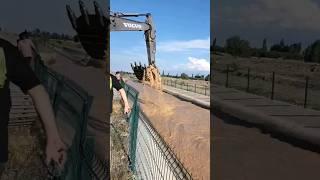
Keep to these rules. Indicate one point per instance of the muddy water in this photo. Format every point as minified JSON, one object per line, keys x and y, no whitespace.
{"x":184,"y":126}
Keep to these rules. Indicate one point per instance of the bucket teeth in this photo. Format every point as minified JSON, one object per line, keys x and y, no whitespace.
{"x":72,"y":17}
{"x":84,"y":12}
{"x":99,"y":13}
{"x":138,"y":70}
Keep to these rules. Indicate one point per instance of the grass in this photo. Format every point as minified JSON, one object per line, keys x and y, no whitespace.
{"x":119,"y":142}
{"x":26,"y":146}
{"x":289,"y":78}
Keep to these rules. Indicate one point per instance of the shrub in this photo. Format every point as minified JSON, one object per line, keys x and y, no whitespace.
{"x":184,"y":76}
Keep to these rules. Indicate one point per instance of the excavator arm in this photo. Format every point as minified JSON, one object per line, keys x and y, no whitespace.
{"x":93,"y":32}
{"x":120,"y":22}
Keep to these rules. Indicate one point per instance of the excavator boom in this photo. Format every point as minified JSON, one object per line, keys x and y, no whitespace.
{"x":93,"y":32}
{"x":120,"y":22}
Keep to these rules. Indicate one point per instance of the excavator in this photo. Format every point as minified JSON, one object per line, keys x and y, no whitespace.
{"x":93,"y":32}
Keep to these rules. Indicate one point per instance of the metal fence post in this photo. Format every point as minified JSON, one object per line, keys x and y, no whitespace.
{"x":272,"y":88}
{"x":248,"y":83}
{"x":227,"y":79}
{"x":306,"y":92}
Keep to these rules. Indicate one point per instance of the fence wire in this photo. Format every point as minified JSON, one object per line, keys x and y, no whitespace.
{"x":300,"y":89}
{"x":150,"y":156}
{"x":183,"y":84}
{"x":71,"y":105}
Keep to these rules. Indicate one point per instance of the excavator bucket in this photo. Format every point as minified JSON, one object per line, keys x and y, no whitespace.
{"x":92,"y":29}
{"x":148,"y":75}
{"x":138,"y":70}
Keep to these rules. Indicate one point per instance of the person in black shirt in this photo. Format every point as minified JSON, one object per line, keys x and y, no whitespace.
{"x":118,"y":76}
{"x":12,"y":69}
{"x":115,"y":83}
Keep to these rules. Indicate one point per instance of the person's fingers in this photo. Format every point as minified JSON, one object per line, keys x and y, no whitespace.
{"x":62,"y":159}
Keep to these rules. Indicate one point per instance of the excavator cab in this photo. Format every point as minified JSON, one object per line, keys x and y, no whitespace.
{"x":93,"y":32}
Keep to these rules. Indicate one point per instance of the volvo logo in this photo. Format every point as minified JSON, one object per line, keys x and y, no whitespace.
{"x":130,"y":25}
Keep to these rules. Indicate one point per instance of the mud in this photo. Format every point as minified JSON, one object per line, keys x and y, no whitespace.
{"x":184,"y":126}
{"x":152,"y":77}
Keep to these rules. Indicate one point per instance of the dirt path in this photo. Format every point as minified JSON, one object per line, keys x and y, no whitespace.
{"x":243,"y":152}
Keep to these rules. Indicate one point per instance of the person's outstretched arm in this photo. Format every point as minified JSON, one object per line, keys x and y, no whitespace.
{"x":55,"y":149}
{"x":125,"y":100}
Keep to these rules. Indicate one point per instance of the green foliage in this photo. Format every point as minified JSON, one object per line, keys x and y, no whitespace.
{"x":237,"y":47}
{"x":184,"y":76}
{"x":264,"y":45}
{"x":294,"y":48}
{"x":199,"y":76}
{"x":207,"y":78}
{"x":312,"y":53}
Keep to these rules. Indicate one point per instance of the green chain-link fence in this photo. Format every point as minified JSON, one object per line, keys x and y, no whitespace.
{"x":71,"y":106}
{"x":150,"y":156}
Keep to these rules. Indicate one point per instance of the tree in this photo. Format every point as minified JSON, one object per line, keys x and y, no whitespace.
{"x":312,"y":52}
{"x":213,"y":45}
{"x":282,"y":43}
{"x":199,"y":76}
{"x":281,"y":47}
{"x":295,"y":48}
{"x":237,"y":47}
{"x":264,"y":45}
{"x":207,"y":78}
{"x":184,"y":76}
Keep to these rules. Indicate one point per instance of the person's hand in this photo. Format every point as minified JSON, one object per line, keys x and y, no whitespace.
{"x":56,"y":152}
{"x":127,"y":109}
{"x":92,"y":30}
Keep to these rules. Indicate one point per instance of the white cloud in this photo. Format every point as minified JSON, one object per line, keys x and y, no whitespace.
{"x":196,"y":64}
{"x":173,"y":46}
{"x":290,"y":14}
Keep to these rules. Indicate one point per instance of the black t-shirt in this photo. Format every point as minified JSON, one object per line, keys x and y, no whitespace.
{"x":18,"y":72}
{"x":115,"y":84}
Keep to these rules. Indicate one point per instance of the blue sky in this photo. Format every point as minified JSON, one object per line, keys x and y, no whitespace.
{"x":183,"y":32}
{"x":254,"y":20}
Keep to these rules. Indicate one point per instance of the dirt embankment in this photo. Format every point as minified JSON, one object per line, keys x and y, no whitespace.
{"x":184,"y":126}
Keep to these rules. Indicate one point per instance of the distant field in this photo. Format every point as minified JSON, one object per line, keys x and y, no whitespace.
{"x":290,"y":78}
{"x":198,"y":86}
